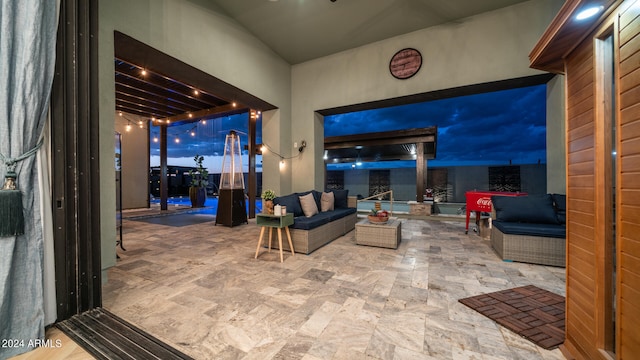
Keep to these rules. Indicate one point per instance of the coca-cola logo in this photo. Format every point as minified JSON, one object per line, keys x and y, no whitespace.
{"x":483,"y":202}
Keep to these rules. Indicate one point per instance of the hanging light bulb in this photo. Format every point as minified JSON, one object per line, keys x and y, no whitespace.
{"x":204,"y":122}
{"x":193,"y":133}
{"x":155,"y":139}
{"x":128,"y":127}
{"x":177,"y":140}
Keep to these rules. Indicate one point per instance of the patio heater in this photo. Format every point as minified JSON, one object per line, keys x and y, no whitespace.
{"x":232,"y":209}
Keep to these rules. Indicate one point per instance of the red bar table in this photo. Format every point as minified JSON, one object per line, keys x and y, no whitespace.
{"x":480,"y":201}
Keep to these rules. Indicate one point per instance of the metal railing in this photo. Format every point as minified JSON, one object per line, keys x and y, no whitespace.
{"x":380,"y":195}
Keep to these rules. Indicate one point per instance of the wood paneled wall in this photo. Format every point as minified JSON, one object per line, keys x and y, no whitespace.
{"x":581,"y":190}
{"x":587,"y":220}
{"x":628,"y":326}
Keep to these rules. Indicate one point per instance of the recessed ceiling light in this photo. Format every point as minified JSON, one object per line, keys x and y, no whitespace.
{"x":589,"y":12}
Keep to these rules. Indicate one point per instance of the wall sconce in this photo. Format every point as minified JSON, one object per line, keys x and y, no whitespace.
{"x":303,"y":144}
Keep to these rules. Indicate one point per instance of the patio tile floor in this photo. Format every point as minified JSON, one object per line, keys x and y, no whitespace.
{"x":198,"y":288}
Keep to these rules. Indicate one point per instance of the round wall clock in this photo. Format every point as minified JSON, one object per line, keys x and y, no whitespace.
{"x":405,"y":63}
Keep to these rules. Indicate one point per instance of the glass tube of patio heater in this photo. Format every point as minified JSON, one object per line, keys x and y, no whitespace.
{"x":232,"y":176}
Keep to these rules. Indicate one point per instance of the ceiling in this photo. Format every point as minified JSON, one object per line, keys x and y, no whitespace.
{"x":302,"y":30}
{"x":297,"y":30}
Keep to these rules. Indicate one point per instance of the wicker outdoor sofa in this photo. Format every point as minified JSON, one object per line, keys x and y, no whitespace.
{"x":308,"y":233}
{"x":530,"y":229}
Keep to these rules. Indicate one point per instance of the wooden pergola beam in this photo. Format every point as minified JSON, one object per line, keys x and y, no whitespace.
{"x":190,"y":117}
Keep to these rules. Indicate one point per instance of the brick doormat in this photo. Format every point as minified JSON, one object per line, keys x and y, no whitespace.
{"x":531,"y":312}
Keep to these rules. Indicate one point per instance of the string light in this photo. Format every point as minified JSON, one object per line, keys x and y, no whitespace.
{"x":266,"y":147}
{"x":143,"y":72}
{"x":128,"y":127}
{"x":177,"y":140}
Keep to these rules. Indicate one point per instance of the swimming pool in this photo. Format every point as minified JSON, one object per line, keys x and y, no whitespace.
{"x":401,"y":207}
{"x":449,"y":208}
{"x":210,"y":205}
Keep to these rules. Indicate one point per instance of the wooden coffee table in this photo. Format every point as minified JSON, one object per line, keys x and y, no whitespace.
{"x":381,"y":235}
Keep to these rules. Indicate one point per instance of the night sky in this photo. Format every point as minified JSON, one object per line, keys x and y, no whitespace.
{"x":485,"y":129}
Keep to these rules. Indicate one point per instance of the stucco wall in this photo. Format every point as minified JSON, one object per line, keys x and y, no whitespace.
{"x":193,"y":32}
{"x":135,"y":161}
{"x":488,"y":47}
{"x":556,"y":144}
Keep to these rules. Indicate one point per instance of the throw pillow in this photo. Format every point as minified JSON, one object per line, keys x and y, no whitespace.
{"x":308,"y":203}
{"x":526,"y":209}
{"x":560,"y":202}
{"x":340,"y":199}
{"x":327,"y":201}
{"x":292,"y":202}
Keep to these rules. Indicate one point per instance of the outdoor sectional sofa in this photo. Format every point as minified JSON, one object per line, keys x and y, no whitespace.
{"x":308,"y":233}
{"x":530,"y":228}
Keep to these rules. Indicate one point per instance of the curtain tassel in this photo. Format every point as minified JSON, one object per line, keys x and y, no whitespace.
{"x":11,"y":216}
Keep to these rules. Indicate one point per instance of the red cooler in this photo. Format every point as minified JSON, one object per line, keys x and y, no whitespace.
{"x":480,"y":201}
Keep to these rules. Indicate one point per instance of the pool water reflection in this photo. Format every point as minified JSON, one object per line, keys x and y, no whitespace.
{"x":210,"y":205}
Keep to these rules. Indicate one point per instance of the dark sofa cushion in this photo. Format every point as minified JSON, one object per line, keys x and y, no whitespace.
{"x":292,"y":202}
{"x":340,"y":213}
{"x":536,"y":209}
{"x":545,"y":230}
{"x":308,"y":223}
{"x":560,"y":203}
{"x":340,"y":199}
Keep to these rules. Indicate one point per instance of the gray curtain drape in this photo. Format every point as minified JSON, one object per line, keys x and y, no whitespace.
{"x":27,"y":62}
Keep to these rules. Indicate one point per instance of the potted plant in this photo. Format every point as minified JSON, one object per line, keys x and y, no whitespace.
{"x":267,"y":201}
{"x":199,"y":182}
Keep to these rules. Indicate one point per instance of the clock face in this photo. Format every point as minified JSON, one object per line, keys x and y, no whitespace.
{"x":405,"y":63}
